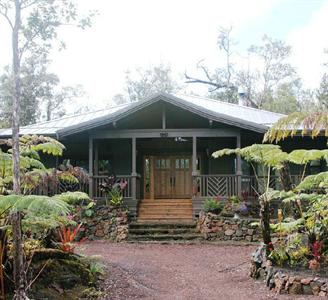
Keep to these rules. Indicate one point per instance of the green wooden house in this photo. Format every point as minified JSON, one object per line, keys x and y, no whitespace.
{"x":162,"y":147}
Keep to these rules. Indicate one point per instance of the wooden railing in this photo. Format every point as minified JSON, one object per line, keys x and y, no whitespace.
{"x":216,"y":185}
{"x":97,"y":181}
{"x":53,"y":187}
{"x":225,"y":186}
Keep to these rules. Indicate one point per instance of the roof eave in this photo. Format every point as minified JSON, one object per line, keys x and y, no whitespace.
{"x":88,"y":125}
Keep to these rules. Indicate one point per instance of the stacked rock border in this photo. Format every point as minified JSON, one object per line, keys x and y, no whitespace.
{"x":216,"y":227}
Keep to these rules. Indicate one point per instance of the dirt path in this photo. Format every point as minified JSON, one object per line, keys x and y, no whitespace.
{"x":152,"y":271}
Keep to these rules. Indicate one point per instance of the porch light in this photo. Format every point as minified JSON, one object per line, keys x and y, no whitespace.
{"x":180,"y":139}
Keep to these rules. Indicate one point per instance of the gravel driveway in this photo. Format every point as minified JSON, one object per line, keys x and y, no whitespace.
{"x":201,"y":271}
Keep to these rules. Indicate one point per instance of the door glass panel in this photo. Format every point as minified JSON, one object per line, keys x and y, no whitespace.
{"x":147,"y":175}
{"x":158,"y":163}
{"x":182,"y":164}
{"x":177,"y":163}
{"x":163,"y":164}
{"x":168,"y":163}
{"x":187,"y":163}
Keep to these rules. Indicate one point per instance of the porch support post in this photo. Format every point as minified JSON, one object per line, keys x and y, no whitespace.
{"x":239,"y":172}
{"x":90,"y":167}
{"x":96,"y":163}
{"x":163,"y":117}
{"x":194,"y":156}
{"x":134,"y":169}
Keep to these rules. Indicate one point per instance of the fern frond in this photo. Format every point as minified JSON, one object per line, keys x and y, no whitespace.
{"x":305,"y":123}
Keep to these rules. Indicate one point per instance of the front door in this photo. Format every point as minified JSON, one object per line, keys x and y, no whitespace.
{"x":172,"y":177}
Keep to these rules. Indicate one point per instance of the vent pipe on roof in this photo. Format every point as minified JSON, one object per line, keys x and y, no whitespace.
{"x":242,"y":97}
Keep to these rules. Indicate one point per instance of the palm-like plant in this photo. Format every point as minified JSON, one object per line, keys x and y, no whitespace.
{"x":32,"y":169}
{"x":270,"y":157}
{"x":312,"y":124}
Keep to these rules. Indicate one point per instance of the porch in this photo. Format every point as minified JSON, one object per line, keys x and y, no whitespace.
{"x":169,"y":167}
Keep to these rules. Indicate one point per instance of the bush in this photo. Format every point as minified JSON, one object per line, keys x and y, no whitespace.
{"x":213,"y":206}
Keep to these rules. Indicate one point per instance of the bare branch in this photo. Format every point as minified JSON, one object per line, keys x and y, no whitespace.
{"x":4,"y":13}
{"x":208,"y":82}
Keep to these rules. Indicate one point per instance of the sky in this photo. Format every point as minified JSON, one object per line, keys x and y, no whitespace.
{"x":128,"y":34}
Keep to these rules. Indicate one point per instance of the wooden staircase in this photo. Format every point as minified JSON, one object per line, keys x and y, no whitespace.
{"x":173,"y":211}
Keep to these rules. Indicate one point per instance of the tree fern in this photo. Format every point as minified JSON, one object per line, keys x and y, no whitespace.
{"x":74,"y":198}
{"x":298,"y":122}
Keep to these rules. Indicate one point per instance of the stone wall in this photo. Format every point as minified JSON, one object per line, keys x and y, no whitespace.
{"x":216,"y":227}
{"x":284,"y":281}
{"x":107,"y":223}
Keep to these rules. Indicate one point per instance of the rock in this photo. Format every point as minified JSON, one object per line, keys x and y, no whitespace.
{"x":249,"y":238}
{"x":307,"y":290}
{"x":250,"y":231}
{"x":229,"y":232}
{"x":322,"y":294}
{"x":295,"y":288}
{"x":306,"y":281}
{"x":315,"y":286}
{"x":261,"y":273}
{"x":100,"y":233}
{"x":239,"y":233}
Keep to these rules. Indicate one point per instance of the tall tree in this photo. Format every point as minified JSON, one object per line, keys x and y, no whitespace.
{"x":283,"y":100}
{"x":274,"y":68}
{"x":221,"y":81}
{"x":322,"y":92}
{"x":33,"y":25}
{"x":41,"y":93}
{"x":144,"y":83}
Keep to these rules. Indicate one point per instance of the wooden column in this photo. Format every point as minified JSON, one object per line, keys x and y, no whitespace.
{"x":239,"y":171}
{"x":163,"y":117}
{"x":134,"y":169}
{"x":96,"y":160}
{"x":152,"y":178}
{"x":194,"y":156}
{"x":90,"y":167}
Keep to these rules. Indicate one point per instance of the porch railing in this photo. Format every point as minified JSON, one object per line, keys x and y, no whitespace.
{"x":98,"y":180}
{"x":225,"y":186}
{"x":53,"y":187}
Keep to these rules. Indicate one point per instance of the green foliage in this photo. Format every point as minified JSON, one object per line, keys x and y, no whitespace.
{"x":308,"y":123}
{"x":279,"y":255}
{"x":287,"y":227}
{"x":314,"y":182}
{"x":41,"y":213}
{"x":266,"y":154}
{"x":74,"y":198}
{"x":213,"y":206}
{"x":97,"y":268}
{"x":33,"y":172}
{"x":302,"y":157}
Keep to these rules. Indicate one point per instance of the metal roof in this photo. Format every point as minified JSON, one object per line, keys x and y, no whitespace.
{"x":232,"y":114}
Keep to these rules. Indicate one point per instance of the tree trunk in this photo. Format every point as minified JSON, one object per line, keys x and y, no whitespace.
{"x":265,"y":222}
{"x":285,"y":178}
{"x":15,"y":217}
{"x":18,"y":257}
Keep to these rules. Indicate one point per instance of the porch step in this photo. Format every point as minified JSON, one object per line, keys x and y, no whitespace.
{"x":163,"y":232}
{"x":165,"y":210}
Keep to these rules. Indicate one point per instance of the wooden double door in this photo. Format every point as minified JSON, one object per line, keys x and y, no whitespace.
{"x":172,"y":177}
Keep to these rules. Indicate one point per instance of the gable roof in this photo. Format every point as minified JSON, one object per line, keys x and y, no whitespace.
{"x":228,"y":113}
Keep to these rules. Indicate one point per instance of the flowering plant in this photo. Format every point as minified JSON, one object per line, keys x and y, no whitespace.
{"x":113,"y":189}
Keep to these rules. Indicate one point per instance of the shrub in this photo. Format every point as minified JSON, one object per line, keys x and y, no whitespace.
{"x":213,"y":206}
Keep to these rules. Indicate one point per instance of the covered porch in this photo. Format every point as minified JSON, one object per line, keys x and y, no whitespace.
{"x":168,"y":165}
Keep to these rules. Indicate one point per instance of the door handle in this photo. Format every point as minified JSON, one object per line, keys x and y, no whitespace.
{"x":174,"y":181}
{"x":171,"y":181}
